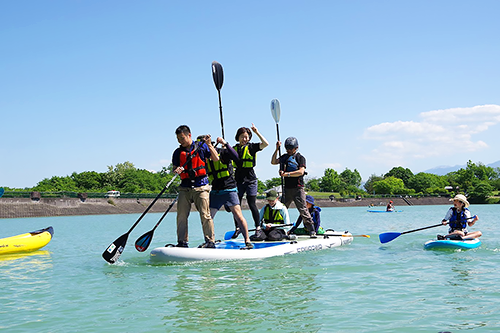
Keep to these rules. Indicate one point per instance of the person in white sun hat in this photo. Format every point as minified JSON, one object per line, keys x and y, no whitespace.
{"x":458,"y":218}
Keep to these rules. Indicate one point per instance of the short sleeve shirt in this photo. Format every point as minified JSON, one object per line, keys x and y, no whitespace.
{"x":247,"y":175}
{"x":203,"y":152}
{"x":293,"y":182}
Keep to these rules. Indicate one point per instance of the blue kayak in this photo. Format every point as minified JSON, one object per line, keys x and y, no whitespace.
{"x":449,"y":244}
{"x":383,"y":211}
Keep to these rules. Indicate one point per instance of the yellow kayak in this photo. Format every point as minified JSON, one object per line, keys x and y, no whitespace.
{"x":28,"y":242}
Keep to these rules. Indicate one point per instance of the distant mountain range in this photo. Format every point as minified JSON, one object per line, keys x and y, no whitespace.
{"x":443,"y":170}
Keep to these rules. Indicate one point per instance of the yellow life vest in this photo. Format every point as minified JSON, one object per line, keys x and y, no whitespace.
{"x":217,"y":170}
{"x":272,"y":216}
{"x":246,"y":159}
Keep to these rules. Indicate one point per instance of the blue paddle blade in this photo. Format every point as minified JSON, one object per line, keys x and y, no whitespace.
{"x":142,"y":243}
{"x":229,"y":235}
{"x":388,"y":236}
{"x":1,"y":191}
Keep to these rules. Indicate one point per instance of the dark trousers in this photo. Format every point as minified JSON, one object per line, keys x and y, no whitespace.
{"x":298,"y":196}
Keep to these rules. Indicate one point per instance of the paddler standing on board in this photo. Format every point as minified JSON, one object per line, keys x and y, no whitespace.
{"x":245,"y":173}
{"x":292,"y":169}
{"x":224,"y":190}
{"x":194,"y":186}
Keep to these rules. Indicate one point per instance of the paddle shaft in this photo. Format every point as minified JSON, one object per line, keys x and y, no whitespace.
{"x":433,"y":226}
{"x":221,"y":117}
{"x":276,"y":113}
{"x":164,"y":214}
{"x":163,"y":190}
{"x":115,"y":249}
{"x":281,"y":164}
{"x":142,"y":243}
{"x":276,"y":226}
{"x":218,"y":76}
{"x":152,"y":203}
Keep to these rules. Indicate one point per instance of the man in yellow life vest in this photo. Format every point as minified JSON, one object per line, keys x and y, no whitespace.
{"x":224,"y":191}
{"x":274,"y":220}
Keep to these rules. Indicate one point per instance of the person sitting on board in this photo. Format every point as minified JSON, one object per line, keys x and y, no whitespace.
{"x":292,"y":169}
{"x":224,"y":191}
{"x":245,"y":174}
{"x":390,"y":207}
{"x":273,"y":217}
{"x":315,"y":214}
{"x":458,"y":218}
{"x":194,"y":186}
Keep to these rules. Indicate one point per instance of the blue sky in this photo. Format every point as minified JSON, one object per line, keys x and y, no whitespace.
{"x":364,"y":85}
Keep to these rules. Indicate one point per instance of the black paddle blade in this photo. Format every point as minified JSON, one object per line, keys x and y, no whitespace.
{"x":218,"y":75}
{"x":115,"y":250}
{"x":142,"y":243}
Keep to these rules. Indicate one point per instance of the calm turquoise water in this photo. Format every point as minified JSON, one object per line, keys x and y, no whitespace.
{"x":364,"y":287}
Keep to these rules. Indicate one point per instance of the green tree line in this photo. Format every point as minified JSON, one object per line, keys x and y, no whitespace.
{"x":123,"y":177}
{"x":477,"y":181}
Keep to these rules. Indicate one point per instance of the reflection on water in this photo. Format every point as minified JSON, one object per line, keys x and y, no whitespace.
{"x":37,"y":260}
{"x":462,"y":269}
{"x":260,"y":294}
{"x":363,"y":287}
{"x":25,"y":286}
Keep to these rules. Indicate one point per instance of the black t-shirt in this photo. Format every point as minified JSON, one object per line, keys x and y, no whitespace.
{"x":246,"y":175}
{"x":290,"y":163}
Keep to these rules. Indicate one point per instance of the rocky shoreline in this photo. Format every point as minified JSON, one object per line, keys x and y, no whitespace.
{"x":25,"y":207}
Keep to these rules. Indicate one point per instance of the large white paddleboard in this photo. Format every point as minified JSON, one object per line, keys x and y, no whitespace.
{"x":231,"y":250}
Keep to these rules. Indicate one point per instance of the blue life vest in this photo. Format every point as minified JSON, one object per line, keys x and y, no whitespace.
{"x":458,"y":222}
{"x":291,"y":164}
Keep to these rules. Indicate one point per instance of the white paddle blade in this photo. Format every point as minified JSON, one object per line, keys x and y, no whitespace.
{"x":276,"y":110}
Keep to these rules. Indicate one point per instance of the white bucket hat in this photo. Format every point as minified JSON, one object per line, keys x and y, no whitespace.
{"x":461,"y":198}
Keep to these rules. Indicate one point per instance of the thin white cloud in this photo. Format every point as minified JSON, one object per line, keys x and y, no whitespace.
{"x":436,"y":135}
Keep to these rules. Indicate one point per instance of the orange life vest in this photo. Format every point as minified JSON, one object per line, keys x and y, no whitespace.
{"x":195,"y":167}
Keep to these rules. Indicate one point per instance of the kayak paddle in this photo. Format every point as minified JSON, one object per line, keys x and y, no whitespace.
{"x":142,"y":243}
{"x":115,"y":250}
{"x":218,"y":75}
{"x":389,"y":236}
{"x":1,"y":191}
{"x":276,"y":113}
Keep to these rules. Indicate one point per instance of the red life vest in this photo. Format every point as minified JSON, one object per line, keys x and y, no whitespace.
{"x":195,"y":167}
